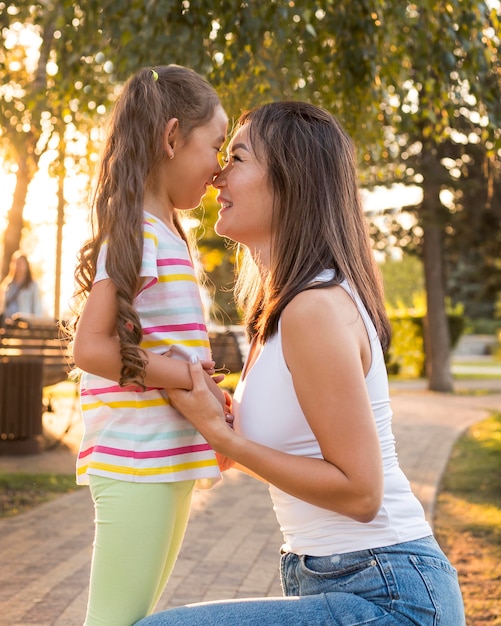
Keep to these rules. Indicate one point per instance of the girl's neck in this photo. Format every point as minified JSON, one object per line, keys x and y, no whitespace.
{"x":161,"y":210}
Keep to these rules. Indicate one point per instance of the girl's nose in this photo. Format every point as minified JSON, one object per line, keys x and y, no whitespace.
{"x":218,"y":179}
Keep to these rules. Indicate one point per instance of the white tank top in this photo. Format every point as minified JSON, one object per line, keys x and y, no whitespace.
{"x":267,"y":411}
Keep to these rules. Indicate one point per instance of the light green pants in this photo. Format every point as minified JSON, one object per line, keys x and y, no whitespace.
{"x":139,"y":531}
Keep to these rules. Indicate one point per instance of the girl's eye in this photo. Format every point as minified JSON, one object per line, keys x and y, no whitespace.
{"x":222,"y":158}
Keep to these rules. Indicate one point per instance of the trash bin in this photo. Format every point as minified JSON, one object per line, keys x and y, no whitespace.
{"x":21,"y":405}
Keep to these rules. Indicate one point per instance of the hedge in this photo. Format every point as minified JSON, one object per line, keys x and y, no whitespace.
{"x":406,"y":356}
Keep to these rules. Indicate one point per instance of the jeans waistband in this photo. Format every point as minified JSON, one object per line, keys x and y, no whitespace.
{"x":425,"y":546}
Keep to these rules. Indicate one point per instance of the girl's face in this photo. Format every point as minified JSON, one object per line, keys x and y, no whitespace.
{"x":245,"y":196}
{"x":196,"y":162}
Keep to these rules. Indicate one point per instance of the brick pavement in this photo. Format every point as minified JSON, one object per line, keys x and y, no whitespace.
{"x":232,"y":541}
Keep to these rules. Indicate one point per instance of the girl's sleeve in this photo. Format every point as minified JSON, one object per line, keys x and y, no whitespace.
{"x":101,"y":273}
{"x":149,"y":267}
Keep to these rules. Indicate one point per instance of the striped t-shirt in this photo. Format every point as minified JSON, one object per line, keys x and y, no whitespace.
{"x":136,"y":435}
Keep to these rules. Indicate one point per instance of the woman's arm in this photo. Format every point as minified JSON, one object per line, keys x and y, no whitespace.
{"x":326,"y":349}
{"x":96,"y":348}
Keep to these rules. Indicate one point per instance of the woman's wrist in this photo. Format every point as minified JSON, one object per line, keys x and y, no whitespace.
{"x":228,"y":442}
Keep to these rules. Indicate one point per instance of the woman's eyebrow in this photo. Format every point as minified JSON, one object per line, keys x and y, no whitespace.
{"x":236,"y":146}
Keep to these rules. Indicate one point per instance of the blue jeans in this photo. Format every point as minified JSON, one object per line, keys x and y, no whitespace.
{"x":410,"y":583}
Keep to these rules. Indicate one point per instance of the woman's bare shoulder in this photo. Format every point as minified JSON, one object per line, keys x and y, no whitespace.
{"x":329,"y":303}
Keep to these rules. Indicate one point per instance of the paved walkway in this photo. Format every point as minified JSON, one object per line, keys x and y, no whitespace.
{"x":232,"y":542}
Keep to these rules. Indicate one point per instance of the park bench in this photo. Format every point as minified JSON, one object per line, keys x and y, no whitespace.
{"x":34,"y":353}
{"x":228,"y":346}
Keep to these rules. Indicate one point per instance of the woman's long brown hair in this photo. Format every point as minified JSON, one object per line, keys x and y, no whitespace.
{"x":318,"y":221}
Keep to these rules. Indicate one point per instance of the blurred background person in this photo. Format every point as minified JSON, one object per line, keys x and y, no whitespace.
{"x":19,"y":292}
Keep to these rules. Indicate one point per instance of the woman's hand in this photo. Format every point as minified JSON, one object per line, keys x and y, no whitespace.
{"x":224,"y":462}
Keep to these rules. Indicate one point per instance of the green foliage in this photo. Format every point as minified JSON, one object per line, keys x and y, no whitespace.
{"x":441,"y":126}
{"x":50,"y":96}
{"x":218,"y":259}
{"x":415,"y":84}
{"x":403,"y":280}
{"x":406,"y":356}
{"x":482,"y":326}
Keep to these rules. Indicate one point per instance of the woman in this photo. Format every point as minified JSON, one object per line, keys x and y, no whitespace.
{"x":19,"y":293}
{"x":312,"y":409}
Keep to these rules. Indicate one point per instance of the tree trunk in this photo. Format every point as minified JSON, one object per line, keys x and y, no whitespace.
{"x":60,"y":224}
{"x":13,"y":231}
{"x":436,"y":331}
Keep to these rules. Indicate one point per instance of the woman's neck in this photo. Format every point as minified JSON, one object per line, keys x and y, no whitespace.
{"x":261,"y":257}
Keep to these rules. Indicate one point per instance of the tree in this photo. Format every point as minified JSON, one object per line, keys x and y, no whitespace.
{"x":473,"y":235}
{"x":404,"y":78}
{"x":49,"y":95}
{"x":451,"y":97}
{"x":80,"y":52}
{"x":23,"y":91}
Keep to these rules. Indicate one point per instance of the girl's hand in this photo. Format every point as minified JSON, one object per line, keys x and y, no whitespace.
{"x":176,"y":352}
{"x":228,"y":401}
{"x":209,"y":367}
{"x":200,"y":406}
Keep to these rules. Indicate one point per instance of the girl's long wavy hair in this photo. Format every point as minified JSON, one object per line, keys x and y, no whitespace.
{"x":317,"y":221}
{"x":133,"y":150}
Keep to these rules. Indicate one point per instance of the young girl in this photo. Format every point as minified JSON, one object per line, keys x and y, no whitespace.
{"x":140,"y":321}
{"x":312,"y":409}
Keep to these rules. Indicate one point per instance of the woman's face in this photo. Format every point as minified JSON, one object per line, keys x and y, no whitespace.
{"x":245,"y":196}
{"x":21,"y":268}
{"x":196,"y":162}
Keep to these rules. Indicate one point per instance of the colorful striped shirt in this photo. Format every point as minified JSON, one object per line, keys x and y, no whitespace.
{"x":136,"y":435}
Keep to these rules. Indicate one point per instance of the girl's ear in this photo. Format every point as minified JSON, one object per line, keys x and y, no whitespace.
{"x":171,"y":134}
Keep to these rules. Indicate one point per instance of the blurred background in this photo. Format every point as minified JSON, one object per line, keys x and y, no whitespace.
{"x":417,"y":86}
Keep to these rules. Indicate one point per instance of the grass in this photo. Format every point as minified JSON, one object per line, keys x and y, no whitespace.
{"x":483,"y":364}
{"x":20,"y":492}
{"x":478,"y":376}
{"x":468,"y":519}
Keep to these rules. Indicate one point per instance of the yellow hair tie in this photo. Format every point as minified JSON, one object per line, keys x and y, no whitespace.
{"x":155,"y":75}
